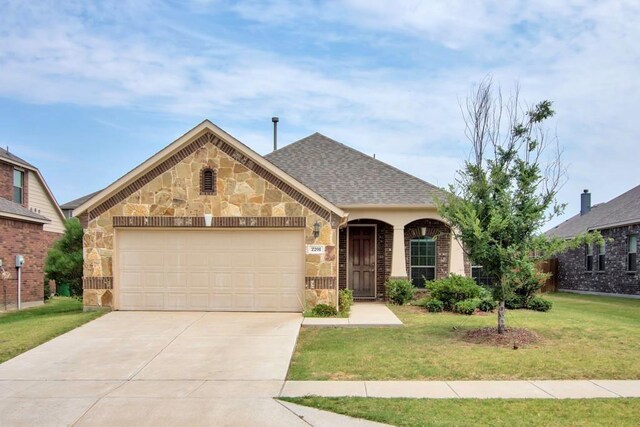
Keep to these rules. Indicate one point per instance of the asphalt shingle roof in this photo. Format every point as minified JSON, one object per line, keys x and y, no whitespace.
{"x":9,"y":207}
{"x":79,"y":201}
{"x":345,"y":176}
{"x":623,"y":209}
{"x":4,"y":154}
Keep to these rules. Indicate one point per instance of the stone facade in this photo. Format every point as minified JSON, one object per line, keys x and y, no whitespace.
{"x":31,"y":241}
{"x":172,"y":189}
{"x":615,"y":279}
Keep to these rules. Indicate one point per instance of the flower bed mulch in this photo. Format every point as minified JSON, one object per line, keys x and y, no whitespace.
{"x":513,"y":337}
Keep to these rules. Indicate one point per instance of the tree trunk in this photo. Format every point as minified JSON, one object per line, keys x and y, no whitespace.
{"x":501,"y":323}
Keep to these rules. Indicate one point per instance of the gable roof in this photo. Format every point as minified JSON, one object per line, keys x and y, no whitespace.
{"x":621,"y":210}
{"x":11,"y":158}
{"x":348,"y":177}
{"x":183,"y":141}
{"x":78,"y":202}
{"x":11,"y":209}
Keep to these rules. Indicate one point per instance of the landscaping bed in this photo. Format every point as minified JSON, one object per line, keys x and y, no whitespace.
{"x":583,"y":337}
{"x":23,"y":330}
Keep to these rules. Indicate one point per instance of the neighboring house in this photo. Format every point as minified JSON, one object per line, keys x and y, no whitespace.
{"x":286,"y":230}
{"x":30,"y":221}
{"x":611,"y":267}
{"x":67,"y":208}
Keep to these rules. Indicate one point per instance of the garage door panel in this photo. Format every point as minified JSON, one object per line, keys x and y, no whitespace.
{"x":240,"y":270}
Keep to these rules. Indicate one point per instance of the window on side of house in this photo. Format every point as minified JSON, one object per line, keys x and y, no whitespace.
{"x":601,"y":256}
{"x":208,"y":181}
{"x":632,"y":250}
{"x":18,"y":186}
{"x":478,"y":274}
{"x":423,"y":260}
{"x":588,"y":257}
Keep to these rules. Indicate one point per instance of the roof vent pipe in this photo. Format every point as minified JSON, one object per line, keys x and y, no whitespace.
{"x":585,"y":202}
{"x":275,"y":121}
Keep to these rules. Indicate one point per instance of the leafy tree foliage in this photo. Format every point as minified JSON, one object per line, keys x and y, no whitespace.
{"x":64,"y":260}
{"x":507,"y":190}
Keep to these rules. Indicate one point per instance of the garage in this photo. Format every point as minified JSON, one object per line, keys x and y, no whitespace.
{"x":210,"y":270}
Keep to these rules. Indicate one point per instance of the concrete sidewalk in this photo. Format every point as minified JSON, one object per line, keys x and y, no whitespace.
{"x":543,"y":389}
{"x":363,"y":315}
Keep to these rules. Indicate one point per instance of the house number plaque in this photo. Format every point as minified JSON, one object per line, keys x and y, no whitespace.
{"x":315,"y":249}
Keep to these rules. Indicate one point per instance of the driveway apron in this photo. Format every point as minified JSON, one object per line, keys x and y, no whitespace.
{"x":156,"y":368}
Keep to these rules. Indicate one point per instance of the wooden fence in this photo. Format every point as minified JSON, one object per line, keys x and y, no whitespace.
{"x":549,"y":266}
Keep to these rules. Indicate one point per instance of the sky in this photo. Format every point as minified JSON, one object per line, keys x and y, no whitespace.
{"x":89,"y":90}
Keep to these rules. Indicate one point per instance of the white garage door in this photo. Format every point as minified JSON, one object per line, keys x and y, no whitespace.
{"x":213,"y":270}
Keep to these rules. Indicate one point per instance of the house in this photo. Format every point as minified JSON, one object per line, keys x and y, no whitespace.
{"x":610,"y":267}
{"x":30,"y":221}
{"x":209,"y":224}
{"x":67,"y":208}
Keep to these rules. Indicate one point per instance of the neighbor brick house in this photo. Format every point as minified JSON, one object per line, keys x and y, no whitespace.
{"x":30,"y":221}
{"x":209,"y":224}
{"x":610,"y":267}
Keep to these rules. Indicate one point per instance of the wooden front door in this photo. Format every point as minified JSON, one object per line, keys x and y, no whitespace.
{"x":362,"y":261}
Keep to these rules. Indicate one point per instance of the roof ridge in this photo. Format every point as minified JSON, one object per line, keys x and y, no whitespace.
{"x":364,"y":155}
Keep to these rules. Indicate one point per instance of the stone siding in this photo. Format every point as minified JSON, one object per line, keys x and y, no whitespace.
{"x":174,"y":191}
{"x":615,"y":279}
{"x":31,"y":241}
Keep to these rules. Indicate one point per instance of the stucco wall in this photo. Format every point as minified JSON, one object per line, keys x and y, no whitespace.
{"x":176,"y":193}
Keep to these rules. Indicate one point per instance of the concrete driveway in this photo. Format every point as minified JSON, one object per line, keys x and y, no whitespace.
{"x":154,"y":368}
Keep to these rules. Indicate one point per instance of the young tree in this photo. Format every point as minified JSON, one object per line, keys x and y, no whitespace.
{"x":64,"y":260}
{"x":507,"y":189}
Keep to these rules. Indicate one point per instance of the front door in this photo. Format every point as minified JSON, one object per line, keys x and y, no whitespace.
{"x":362,"y":261}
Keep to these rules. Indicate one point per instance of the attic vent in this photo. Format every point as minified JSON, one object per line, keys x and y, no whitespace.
{"x":207,"y":181}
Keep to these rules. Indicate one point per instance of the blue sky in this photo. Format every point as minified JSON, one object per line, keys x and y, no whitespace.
{"x":89,"y":90}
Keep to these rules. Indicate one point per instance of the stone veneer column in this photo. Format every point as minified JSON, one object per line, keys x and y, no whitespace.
{"x":398,"y":257}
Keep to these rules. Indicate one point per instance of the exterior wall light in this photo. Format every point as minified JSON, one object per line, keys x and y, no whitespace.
{"x":316,"y":230}
{"x":423,"y":230}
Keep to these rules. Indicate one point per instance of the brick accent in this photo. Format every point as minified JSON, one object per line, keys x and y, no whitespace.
{"x":208,"y":137}
{"x":6,"y":183}
{"x":311,"y":282}
{"x":97,"y":282}
{"x":217,"y":222}
{"x":214,"y":180}
{"x":615,"y":279}
{"x":437,"y":230}
{"x":31,"y":241}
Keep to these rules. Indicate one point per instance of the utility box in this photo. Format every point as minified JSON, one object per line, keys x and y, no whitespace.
{"x":19,"y":261}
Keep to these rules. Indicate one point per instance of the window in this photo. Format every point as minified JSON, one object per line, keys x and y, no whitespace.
{"x":588,"y":257}
{"x":601,"y":255}
{"x":480,"y":277}
{"x":423,"y":260}
{"x":632,"y":249}
{"x":207,"y":181}
{"x":18,"y":186}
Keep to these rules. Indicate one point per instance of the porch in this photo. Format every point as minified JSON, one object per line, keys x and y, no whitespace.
{"x":363,"y":315}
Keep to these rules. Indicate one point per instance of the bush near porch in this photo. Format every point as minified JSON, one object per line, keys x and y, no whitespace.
{"x":583,"y":336}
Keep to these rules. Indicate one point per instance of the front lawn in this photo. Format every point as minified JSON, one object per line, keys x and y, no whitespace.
{"x":23,"y":330}
{"x":582,"y":337}
{"x":497,"y":412}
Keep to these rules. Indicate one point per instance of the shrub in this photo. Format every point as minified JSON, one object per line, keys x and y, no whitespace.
{"x":64,"y":260}
{"x":324,"y":310}
{"x":422,"y":302}
{"x":47,"y":290}
{"x":400,"y":291}
{"x":539,"y":304}
{"x":453,"y":289}
{"x":487,"y":304}
{"x":514,"y":302}
{"x":467,"y":306}
{"x":345,"y":300}
{"x":528,"y":283}
{"x":434,"y":305}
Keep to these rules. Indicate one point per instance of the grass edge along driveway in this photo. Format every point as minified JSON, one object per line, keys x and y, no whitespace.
{"x":23,"y":330}
{"x":465,"y":412}
{"x":582,"y":337}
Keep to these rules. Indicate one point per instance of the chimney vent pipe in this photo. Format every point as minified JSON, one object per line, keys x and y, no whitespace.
{"x":585,"y":202}
{"x":275,"y":121}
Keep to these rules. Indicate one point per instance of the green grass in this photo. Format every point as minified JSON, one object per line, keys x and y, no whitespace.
{"x":496,"y":412}
{"x":23,"y":330}
{"x":582,"y":337}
